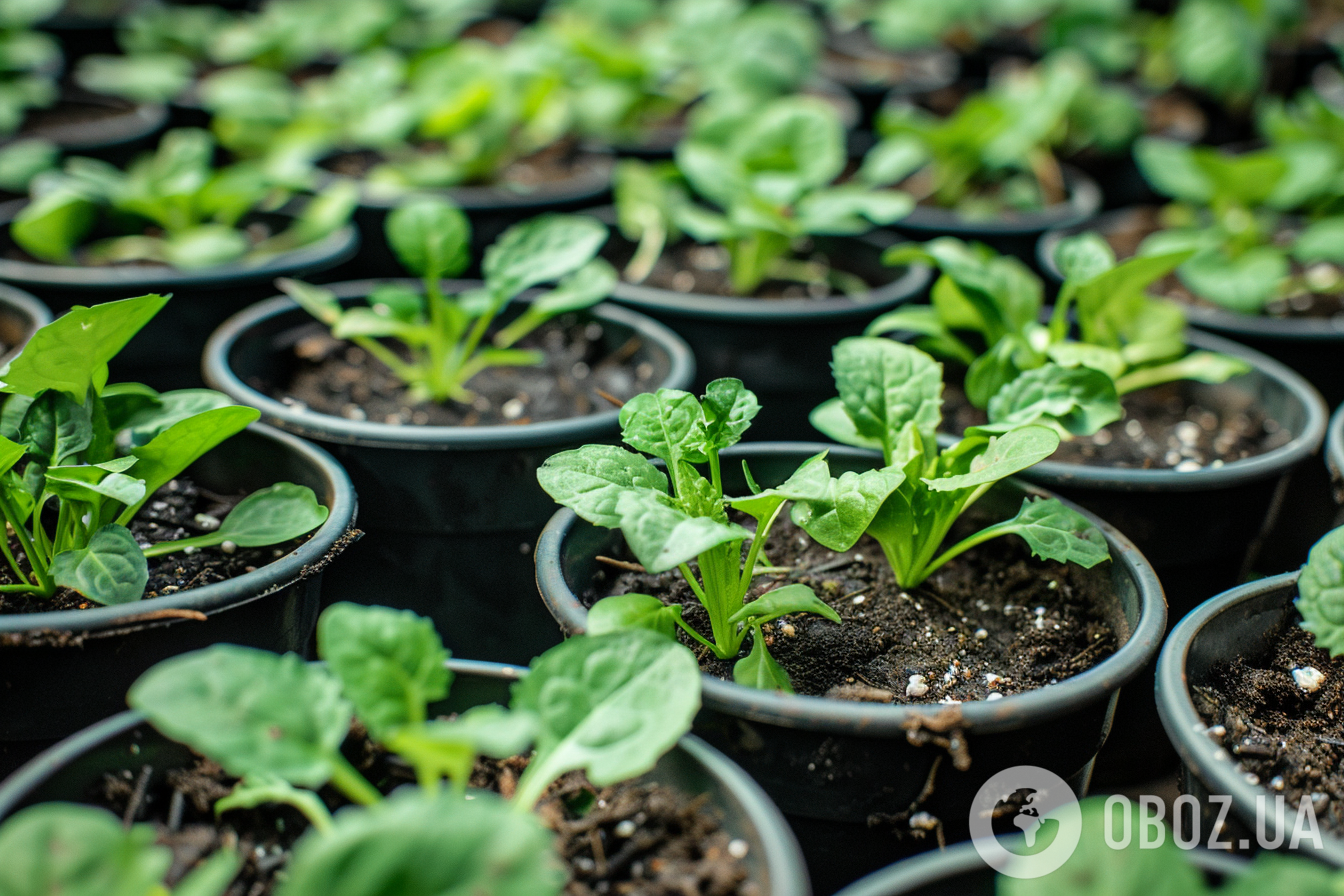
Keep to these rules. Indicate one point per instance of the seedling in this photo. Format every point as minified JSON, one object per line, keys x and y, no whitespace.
{"x":439,"y":339}
{"x":986,"y":315}
{"x":674,"y":514}
{"x":609,"y":705}
{"x":171,"y":207}
{"x":769,"y":174}
{"x":890,"y":399}
{"x":79,"y":458}
{"x":29,"y":62}
{"x":1320,"y":589}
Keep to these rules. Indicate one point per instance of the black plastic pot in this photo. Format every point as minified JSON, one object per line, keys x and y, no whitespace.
{"x":490,"y":209}
{"x":102,"y":127}
{"x":1232,"y":624}
{"x":836,"y":767}
{"x":70,"y":770}
{"x":780,"y":348}
{"x":166,"y":354}
{"x":959,"y":871}
{"x":874,"y":75}
{"x":82,"y":661}
{"x":1334,"y":455}
{"x":20,"y":317}
{"x":1314,"y":347}
{"x":1011,"y":235}
{"x":451,"y":511}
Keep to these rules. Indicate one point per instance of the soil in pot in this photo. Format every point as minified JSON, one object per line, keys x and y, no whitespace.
{"x":633,"y":837}
{"x":180,"y":509}
{"x":689,"y":267}
{"x":554,"y":165}
{"x":334,"y":377}
{"x":1287,"y":737}
{"x":990,"y":623}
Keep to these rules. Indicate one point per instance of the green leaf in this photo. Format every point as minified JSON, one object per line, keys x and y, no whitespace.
{"x":669,"y":424}
{"x":77,"y":850}
{"x":450,"y":747}
{"x":1084,"y":257}
{"x":590,"y":480}
{"x":252,"y":711}
{"x":88,"y":482}
{"x":608,"y":704}
{"x":1272,"y":872}
{"x":832,"y":420}
{"x":839,"y":518}
{"x":390,"y":663}
{"x":1170,"y":168}
{"x":1005,"y":455}
{"x":1322,"y":240}
{"x":55,"y":427}
{"x":145,"y":423}
{"x":771,"y":605}
{"x":204,"y":246}
{"x":622,"y":611}
{"x":321,"y":303}
{"x":886,"y":387}
{"x":729,"y":407}
{"x":430,"y":236}
{"x":178,"y":446}
{"x":758,"y":669}
{"x":51,"y":226}
{"x":70,"y":354}
{"x":663,"y":537}
{"x":110,"y":570}
{"x":416,"y":844}
{"x":1246,"y":284}
{"x":272,"y":515}
{"x":1320,"y":590}
{"x":541,"y":250}
{"x":1056,"y":532}
{"x":1080,"y":399}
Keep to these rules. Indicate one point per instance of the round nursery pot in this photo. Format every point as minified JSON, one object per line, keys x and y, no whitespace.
{"x":1314,"y":347}
{"x":21,"y":316}
{"x":842,"y":769}
{"x":781,"y":348}
{"x":63,"y":670}
{"x":490,"y":209}
{"x":872,"y":74}
{"x":451,"y":512}
{"x":1015,"y":234}
{"x":72,"y":770}
{"x":959,"y":871}
{"x":166,"y":353}
{"x":1236,"y":623}
{"x":91,"y":124}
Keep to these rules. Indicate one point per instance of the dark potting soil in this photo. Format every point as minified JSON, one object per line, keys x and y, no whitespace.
{"x":551,"y":166}
{"x":630,"y":838}
{"x":990,"y":623}
{"x":53,"y":122}
{"x":1286,"y":738}
{"x":1160,"y":430}
{"x":334,"y":377}
{"x":1125,"y":235}
{"x":689,"y":267}
{"x":180,"y":509}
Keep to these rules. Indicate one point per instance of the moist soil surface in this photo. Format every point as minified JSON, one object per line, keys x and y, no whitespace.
{"x":180,"y":509}
{"x":1125,"y":235}
{"x":334,"y":377}
{"x":1290,"y":739}
{"x":553,"y":166}
{"x":1161,"y":430}
{"x":990,"y":623}
{"x":691,"y":268}
{"x":630,"y":838}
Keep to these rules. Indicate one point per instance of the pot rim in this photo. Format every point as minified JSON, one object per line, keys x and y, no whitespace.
{"x":844,"y":717}
{"x":24,"y":305}
{"x":783,"y":859}
{"x":1082,"y":205}
{"x":1185,"y":727}
{"x":1334,"y":446}
{"x":1232,"y":323}
{"x":221,"y":595}
{"x":130,"y":122}
{"x":335,"y":247}
{"x":329,"y":428}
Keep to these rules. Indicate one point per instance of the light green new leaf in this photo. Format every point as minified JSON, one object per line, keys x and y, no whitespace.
{"x":1320,"y":590}
{"x":1005,"y":455}
{"x":758,"y":669}
{"x":669,"y":424}
{"x":541,"y":250}
{"x":110,"y":570}
{"x":663,"y":537}
{"x":885,"y":386}
{"x":1080,"y":399}
{"x":729,"y":407}
{"x":76,"y":850}
{"x":1056,"y":532}
{"x":622,"y":611}
{"x":795,"y":598}
{"x":590,"y":480}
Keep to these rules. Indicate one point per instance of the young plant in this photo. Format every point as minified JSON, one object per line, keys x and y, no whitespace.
{"x":1231,"y":210}
{"x":29,"y":62}
{"x":997,"y":152}
{"x":769,"y":174}
{"x":986,"y":311}
{"x":278,"y":723}
{"x":171,"y":207}
{"x":79,"y":458}
{"x":890,"y":399}
{"x":442,"y":340}
{"x":671,"y":518}
{"x":1320,"y":590}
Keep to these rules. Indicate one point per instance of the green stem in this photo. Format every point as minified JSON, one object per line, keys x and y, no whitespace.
{"x":695,"y":634}
{"x":757,"y":543}
{"x":17,"y":589}
{"x":34,"y":559}
{"x":172,"y":547}
{"x":1004,"y":528}
{"x":652,"y":240}
{"x":350,"y":782}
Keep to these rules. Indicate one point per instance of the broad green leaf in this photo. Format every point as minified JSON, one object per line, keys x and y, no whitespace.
{"x":795,"y":598}
{"x":70,"y":354}
{"x":272,"y":515}
{"x":840,"y":517}
{"x":430,"y":236}
{"x":832,"y":420}
{"x":729,"y":407}
{"x":390,"y":663}
{"x":1005,"y":455}
{"x":321,"y":303}
{"x":1056,"y":532}
{"x":758,"y":669}
{"x":1084,"y":257}
{"x":179,"y":446}
{"x":1322,"y":240}
{"x":608,"y":704}
{"x":51,"y":226}
{"x":1170,"y":168}
{"x":55,"y":427}
{"x":1320,"y":590}
{"x":87,"y":482}
{"x":541,"y":250}
{"x":10,"y":454}
{"x":851,"y":209}
{"x":663,"y":537}
{"x":417,"y":844}
{"x":204,"y":246}
{"x":76,"y":850}
{"x":885,"y":386}
{"x":252,"y":711}
{"x":1080,"y":399}
{"x":588,"y":285}
{"x":449,"y":747}
{"x":669,"y":424}
{"x":1245,"y":284}
{"x":110,"y":570}
{"x":1080,"y":354}
{"x":590,"y":480}
{"x":1311,"y":169}
{"x":144,"y":424}
{"x":622,"y":611}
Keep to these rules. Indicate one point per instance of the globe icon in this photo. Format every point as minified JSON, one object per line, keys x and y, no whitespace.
{"x":1015,"y":814}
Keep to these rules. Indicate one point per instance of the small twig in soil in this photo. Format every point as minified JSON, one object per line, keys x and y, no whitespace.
{"x":837,"y":563}
{"x":175,"y":806}
{"x":1334,"y":742}
{"x":137,"y":797}
{"x":620,"y":564}
{"x":626,"y":351}
{"x":1088,"y":649}
{"x":604,"y":394}
{"x":599,"y":854}
{"x":854,"y":594}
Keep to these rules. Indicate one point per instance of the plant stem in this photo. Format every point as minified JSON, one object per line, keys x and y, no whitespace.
{"x":34,"y":559}
{"x":350,"y":782}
